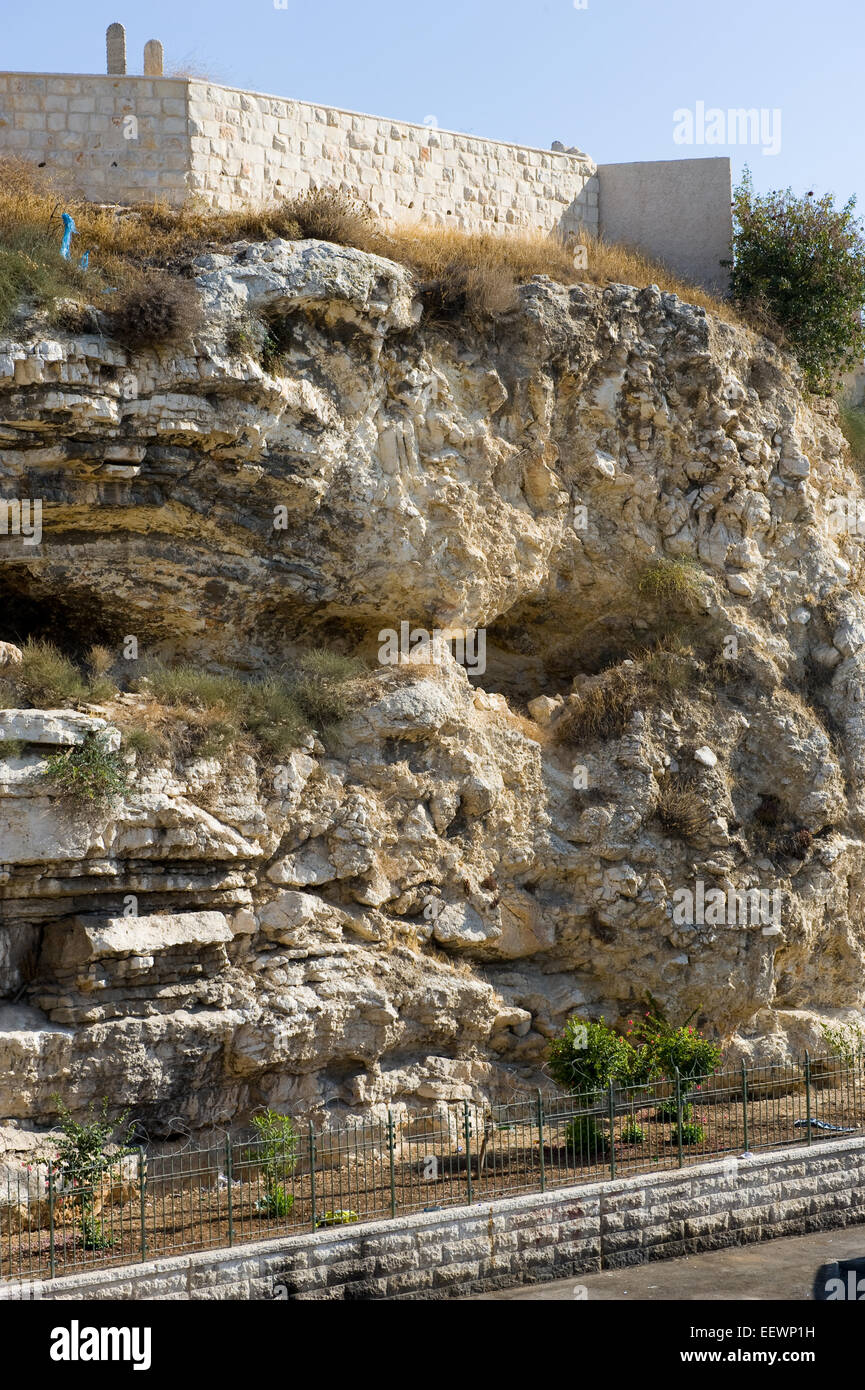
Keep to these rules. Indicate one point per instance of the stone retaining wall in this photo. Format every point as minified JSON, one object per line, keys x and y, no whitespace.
{"x":521,"y":1240}
{"x":131,"y":139}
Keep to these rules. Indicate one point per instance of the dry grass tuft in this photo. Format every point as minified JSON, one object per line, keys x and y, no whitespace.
{"x":682,"y":811}
{"x":475,"y":273}
{"x":681,"y":583}
{"x":601,"y":710}
{"x":325,"y":214}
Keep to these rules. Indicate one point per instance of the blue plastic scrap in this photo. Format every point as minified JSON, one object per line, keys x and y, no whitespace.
{"x":69,"y":230}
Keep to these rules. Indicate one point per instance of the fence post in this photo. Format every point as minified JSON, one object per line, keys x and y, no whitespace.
{"x":541,"y":1140}
{"x":51,"y":1256}
{"x":228,"y":1171}
{"x":391,"y":1145}
{"x":612,"y":1109}
{"x":679,"y":1113}
{"x":745,"y":1103}
{"x":312,"y":1172}
{"x":808,"y":1090}
{"x":467,"y":1131}
{"x":142,"y":1178}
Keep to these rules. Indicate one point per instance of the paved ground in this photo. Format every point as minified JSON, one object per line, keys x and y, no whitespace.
{"x":781,"y":1269}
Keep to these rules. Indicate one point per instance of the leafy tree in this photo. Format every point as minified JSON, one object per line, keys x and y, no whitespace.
{"x":799,"y":265}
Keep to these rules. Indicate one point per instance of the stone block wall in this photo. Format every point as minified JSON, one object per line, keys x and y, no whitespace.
{"x":247,"y":148}
{"x":520,"y":1240}
{"x":113,"y":139}
{"x":132,"y":139}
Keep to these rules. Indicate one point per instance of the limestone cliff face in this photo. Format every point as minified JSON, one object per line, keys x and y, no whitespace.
{"x":410,"y":909}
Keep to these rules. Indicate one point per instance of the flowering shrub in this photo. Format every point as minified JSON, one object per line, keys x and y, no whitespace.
{"x":666,"y":1047}
{"x":588,"y":1056}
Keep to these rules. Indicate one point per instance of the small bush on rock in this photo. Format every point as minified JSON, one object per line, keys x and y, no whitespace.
{"x":45,"y":678}
{"x":89,"y":774}
{"x":328,"y":214}
{"x":323,"y":688}
{"x":602,"y":710}
{"x":673,"y":581}
{"x":161,"y":309}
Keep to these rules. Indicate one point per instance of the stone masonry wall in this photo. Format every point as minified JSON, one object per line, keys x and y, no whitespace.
{"x":248,"y":147}
{"x":520,"y":1240}
{"x":130,"y":139}
{"x":113,"y":139}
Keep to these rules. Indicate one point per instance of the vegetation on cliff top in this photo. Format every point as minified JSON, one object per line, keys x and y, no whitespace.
{"x":797,"y":273}
{"x":458,"y":273}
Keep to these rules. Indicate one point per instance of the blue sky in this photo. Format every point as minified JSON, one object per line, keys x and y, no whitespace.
{"x":607,"y":78}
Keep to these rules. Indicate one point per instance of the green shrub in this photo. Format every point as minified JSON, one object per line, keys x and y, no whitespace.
{"x":799,"y":262}
{"x":667,"y":1112}
{"x":632,"y":1133}
{"x":668,"y":1046}
{"x":81,"y":1161}
{"x":276,"y":1152}
{"x":585,"y":1136}
{"x":692,"y":1133}
{"x":275,"y":1202}
{"x":89,"y":774}
{"x":588,"y":1056}
{"x":12,"y":747}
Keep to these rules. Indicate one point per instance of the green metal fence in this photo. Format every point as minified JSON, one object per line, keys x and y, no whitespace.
{"x":149,"y":1204}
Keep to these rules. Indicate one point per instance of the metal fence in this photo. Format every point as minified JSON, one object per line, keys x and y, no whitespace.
{"x":147,"y":1204}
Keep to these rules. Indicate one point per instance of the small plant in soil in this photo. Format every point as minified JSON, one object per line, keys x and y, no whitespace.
{"x":276,"y":1151}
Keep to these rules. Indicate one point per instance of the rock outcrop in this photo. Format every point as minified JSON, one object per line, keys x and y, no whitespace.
{"x":410,"y":906}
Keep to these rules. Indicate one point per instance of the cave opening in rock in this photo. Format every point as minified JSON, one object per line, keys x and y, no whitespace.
{"x":73,"y":621}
